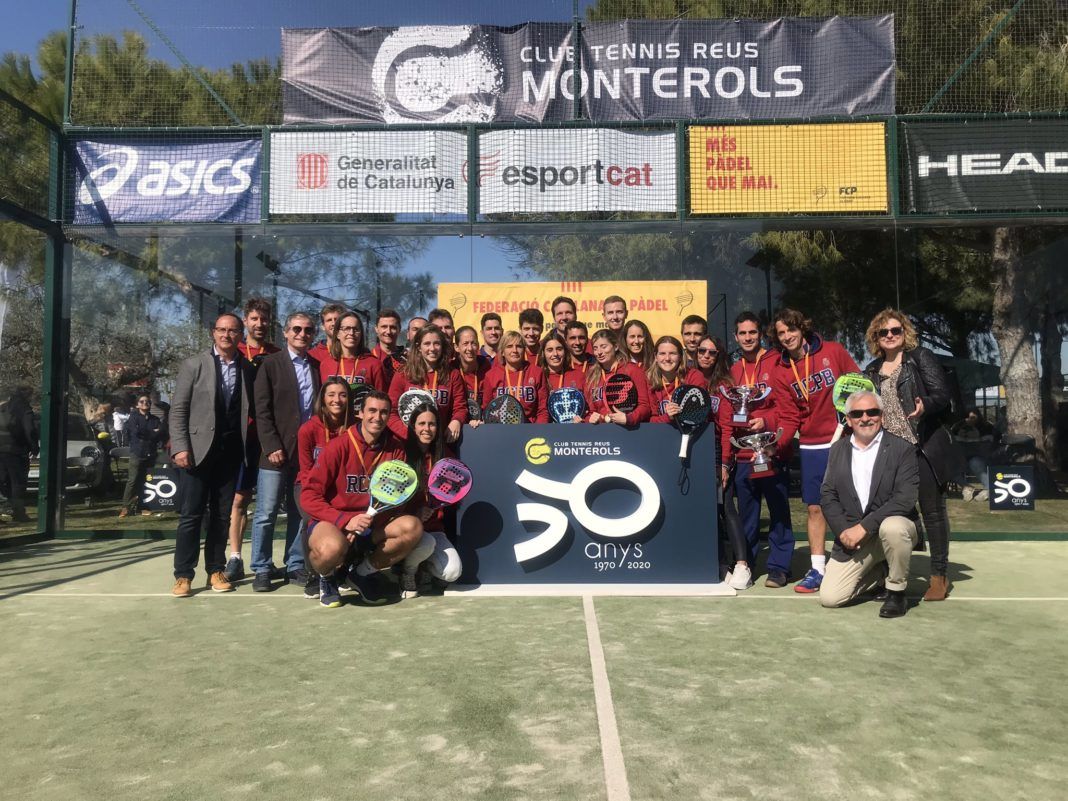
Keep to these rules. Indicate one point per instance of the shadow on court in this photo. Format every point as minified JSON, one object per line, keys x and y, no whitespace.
{"x":54,"y":564}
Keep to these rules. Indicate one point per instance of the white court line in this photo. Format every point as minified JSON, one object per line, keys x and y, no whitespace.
{"x":615,"y":771}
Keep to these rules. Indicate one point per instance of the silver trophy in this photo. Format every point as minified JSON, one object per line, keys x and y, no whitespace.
{"x":741,"y":398}
{"x":759,"y":445}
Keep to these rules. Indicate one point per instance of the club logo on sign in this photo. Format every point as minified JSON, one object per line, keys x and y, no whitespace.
{"x":538,"y":451}
{"x":575,"y":494}
{"x":1013,"y":488}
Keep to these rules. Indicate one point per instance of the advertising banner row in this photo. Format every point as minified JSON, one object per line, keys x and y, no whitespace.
{"x":1009,"y":165}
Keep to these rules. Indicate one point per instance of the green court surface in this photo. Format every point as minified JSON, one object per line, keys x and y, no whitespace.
{"x":114,"y":690}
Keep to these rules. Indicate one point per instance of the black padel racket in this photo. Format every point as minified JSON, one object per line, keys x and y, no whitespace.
{"x":411,"y":400}
{"x":694,"y":405}
{"x":504,"y":409}
{"x":621,"y":394}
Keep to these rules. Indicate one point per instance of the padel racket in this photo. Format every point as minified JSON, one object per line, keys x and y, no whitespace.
{"x":621,"y":394}
{"x":844,"y":386}
{"x":566,"y":404}
{"x":448,"y":483}
{"x":392,"y":484}
{"x":504,"y":409}
{"x":357,"y":392}
{"x":694,"y":405}
{"x":410,"y":400}
{"x":474,"y":410}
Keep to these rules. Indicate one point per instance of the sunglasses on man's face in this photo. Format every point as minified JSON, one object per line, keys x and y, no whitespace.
{"x":856,"y":414}
{"x":894,"y":331}
{"x":302,"y":329}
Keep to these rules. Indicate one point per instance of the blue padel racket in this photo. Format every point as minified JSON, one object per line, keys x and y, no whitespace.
{"x":392,"y":484}
{"x":411,"y":400}
{"x":504,"y":409}
{"x":621,"y":394}
{"x":566,"y":404}
{"x":448,"y":483}
{"x":694,"y":405}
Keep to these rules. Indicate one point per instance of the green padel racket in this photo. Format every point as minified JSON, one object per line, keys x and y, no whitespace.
{"x":844,"y":386}
{"x":392,"y":484}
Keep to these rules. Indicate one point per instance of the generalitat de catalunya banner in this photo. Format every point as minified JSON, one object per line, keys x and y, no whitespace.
{"x":596,"y":169}
{"x":831,"y":167}
{"x":986,"y":165}
{"x":661,"y":305}
{"x":629,"y":70}
{"x":320,"y":172}
{"x":122,"y":180}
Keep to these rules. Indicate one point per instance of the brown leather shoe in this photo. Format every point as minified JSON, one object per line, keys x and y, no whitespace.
{"x":218,"y":583}
{"x":183,"y":588}
{"x":938,"y":590}
{"x":124,"y":513}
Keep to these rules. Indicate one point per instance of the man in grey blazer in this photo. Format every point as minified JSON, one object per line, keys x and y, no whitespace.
{"x":287,"y":383}
{"x":869,"y":499}
{"x":209,"y":421}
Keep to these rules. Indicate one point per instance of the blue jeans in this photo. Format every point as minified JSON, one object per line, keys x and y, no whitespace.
{"x":774,"y":491}
{"x":270,"y":486}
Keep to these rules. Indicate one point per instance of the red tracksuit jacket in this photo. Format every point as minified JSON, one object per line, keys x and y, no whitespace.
{"x":595,"y":394}
{"x":527,"y":385}
{"x":449,"y":394}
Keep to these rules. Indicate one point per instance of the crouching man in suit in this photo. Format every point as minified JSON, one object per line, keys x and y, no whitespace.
{"x":869,"y":498}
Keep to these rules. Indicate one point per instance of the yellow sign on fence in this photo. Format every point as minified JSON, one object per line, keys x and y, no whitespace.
{"x":764,"y":169}
{"x":661,"y":305}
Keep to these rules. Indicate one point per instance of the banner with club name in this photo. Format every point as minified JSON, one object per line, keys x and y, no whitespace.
{"x":596,"y":169}
{"x":388,"y":172}
{"x":837,"y":168}
{"x":791,"y":67}
{"x":985,"y":165}
{"x":661,"y":305}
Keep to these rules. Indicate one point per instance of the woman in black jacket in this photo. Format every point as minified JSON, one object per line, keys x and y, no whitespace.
{"x":146,"y":432}
{"x":916,"y":394}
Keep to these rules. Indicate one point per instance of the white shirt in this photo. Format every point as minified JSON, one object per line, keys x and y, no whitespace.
{"x":862,"y":464}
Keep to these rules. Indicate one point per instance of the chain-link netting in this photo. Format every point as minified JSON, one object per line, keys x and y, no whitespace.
{"x":25,"y":151}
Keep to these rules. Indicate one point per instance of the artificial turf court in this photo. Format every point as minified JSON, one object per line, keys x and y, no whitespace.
{"x":114,"y":690}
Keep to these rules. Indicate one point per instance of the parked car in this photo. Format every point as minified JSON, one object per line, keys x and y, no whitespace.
{"x":87,"y":466}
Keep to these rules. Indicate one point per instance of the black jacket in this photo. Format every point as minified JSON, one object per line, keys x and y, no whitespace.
{"x":922,"y":377}
{"x":18,"y":428}
{"x":146,"y":433}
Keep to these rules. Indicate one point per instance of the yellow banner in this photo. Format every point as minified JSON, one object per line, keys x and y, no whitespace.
{"x":831,"y":167}
{"x":661,"y":305}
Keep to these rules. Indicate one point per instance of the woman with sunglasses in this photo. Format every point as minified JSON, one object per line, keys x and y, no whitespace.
{"x":348,"y":358}
{"x":639,"y":344}
{"x":473,"y":369}
{"x":555,"y":361}
{"x":428,"y":368}
{"x":915,"y":394}
{"x":511,"y":374}
{"x":424,"y":448}
{"x":665,"y":376}
{"x":610,"y":360}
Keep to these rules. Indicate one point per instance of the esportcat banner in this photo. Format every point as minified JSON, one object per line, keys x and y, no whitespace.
{"x":828,"y":167}
{"x":324,"y":172}
{"x":128,"y":179}
{"x":596,"y":169}
{"x":986,"y":165}
{"x":661,"y":305}
{"x":629,"y":70}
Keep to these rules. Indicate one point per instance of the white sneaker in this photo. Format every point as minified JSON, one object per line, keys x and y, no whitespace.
{"x":409,"y":588}
{"x":967,"y":493}
{"x":982,"y":495}
{"x":741,"y":578}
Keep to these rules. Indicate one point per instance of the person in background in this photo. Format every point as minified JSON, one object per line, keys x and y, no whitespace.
{"x":146,"y":435}
{"x":349,"y":358}
{"x":869,"y":499}
{"x":18,"y":441}
{"x":119,"y":418}
{"x":259,"y":317}
{"x":531,"y":325}
{"x":429,"y":367}
{"x":415,"y":325}
{"x":159,"y":407}
{"x":328,"y":317}
{"x":286,"y":386}
{"x":391,"y":356}
{"x":752,"y":369}
{"x":802,"y":373}
{"x":694,"y":329}
{"x":915,"y":396}
{"x":638,"y":342}
{"x":577,"y":336}
{"x":492,"y":331}
{"x":976,"y":438}
{"x":564,"y":311}
{"x":442,"y":318}
{"x":610,"y":360}
{"x":424,"y":448}
{"x":614,"y":312}
{"x":209,"y":424}
{"x":331,"y":417}
{"x":473,"y":369}
{"x":555,"y":362}
{"x":514,"y":374}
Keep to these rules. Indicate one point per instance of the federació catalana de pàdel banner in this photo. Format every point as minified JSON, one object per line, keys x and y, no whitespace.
{"x":837,"y":168}
{"x":661,"y":305}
